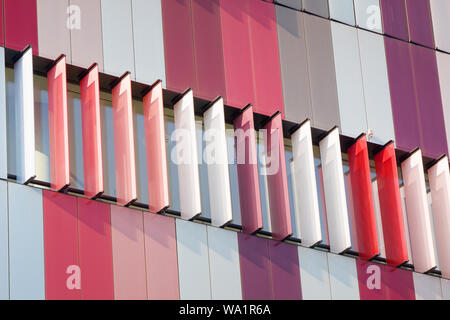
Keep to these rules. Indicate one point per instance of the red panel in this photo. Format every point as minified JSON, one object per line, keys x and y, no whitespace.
{"x":280,"y":213}
{"x":208,"y":49}
{"x":237,"y":53}
{"x":381,"y":282}
{"x":363,"y":206}
{"x":247,"y":171}
{"x":285,"y":271}
{"x":391,"y":206}
{"x":94,"y":228}
{"x":92,"y":136}
{"x":178,"y":45}
{"x":124,"y":141}
{"x":21,"y":24}
{"x":158,"y":186}
{"x":161,"y":257}
{"x":58,"y":125}
{"x":265,"y":56}
{"x":2,"y":34}
{"x":61,"y":247}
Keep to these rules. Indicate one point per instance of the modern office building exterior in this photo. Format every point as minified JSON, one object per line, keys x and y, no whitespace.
{"x":224,"y":149}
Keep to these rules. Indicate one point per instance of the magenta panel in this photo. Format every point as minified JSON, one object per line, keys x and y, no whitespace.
{"x":2,"y":28}
{"x":419,"y":22}
{"x":394,"y":19}
{"x":21,"y":24}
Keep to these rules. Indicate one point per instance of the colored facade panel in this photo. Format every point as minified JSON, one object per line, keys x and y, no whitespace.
{"x":58,"y":126}
{"x":21,"y":27}
{"x":265,"y":57}
{"x":376,"y":87}
{"x":440,"y":15}
{"x":124,"y":141}
{"x":334,"y":189}
{"x":285,"y":271}
{"x":86,"y":33}
{"x":128,"y":252}
{"x":419,"y":22}
{"x":255,"y":268}
{"x":439,"y":178}
{"x":426,"y":287}
{"x":53,"y":33}
{"x":26,"y":243}
{"x":401,"y":82}
{"x":216,"y":158}
{"x":178,"y":38}
{"x":208,"y":50}
{"x":193,"y":264}
{"x":247,"y":172}
{"x":117,"y":34}
{"x":361,"y":185}
{"x":158,"y":185}
{"x":349,"y":82}
{"x":443,"y":63}
{"x":343,"y":277}
{"x":314,"y":276}
{"x":429,"y":102}
{"x":95,"y":249}
{"x":318,"y":7}
{"x":368,"y":15}
{"x":148,"y":41}
{"x":294,"y":64}
{"x":295,"y":4}
{"x":161,"y":257}
{"x":2,"y":25}
{"x":321,"y":66}
{"x":4,"y":249}
{"x":394,"y":18}
{"x":342,"y":11}
{"x":418,"y":213}
{"x":62,"y":266}
{"x":3,"y":117}
{"x":224,"y":264}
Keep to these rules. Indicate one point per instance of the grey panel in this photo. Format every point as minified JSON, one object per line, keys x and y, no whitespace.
{"x":294,"y":64}
{"x":440,"y":15}
{"x":75,"y":140}
{"x":343,"y":277}
{"x":86,"y":33}
{"x":295,"y":4}
{"x":314,"y":274}
{"x":109,"y":162}
{"x":26,"y":242}
{"x":443,"y":63}
{"x":53,"y":31}
{"x":224,"y":264}
{"x":234,"y":184}
{"x":193,"y":264}
{"x":322,"y":75}
{"x":376,"y":87}
{"x":117,"y":29}
{"x":368,"y":15}
{"x":41,"y":127}
{"x":11,"y":122}
{"x":445,"y":284}
{"x":319,"y":7}
{"x":141,"y":156}
{"x":148,"y":41}
{"x":349,"y":79}
{"x":4,"y":254}
{"x":3,"y":121}
{"x":427,"y":287}
{"x":342,"y":10}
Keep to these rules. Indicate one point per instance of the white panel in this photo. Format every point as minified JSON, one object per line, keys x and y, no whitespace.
{"x":305,"y":186}
{"x":439,"y":178}
{"x":185,"y":155}
{"x":24,"y":111}
{"x":216,"y":158}
{"x":440,"y":15}
{"x":193,"y":264}
{"x":445,"y":284}
{"x":3,"y":128}
{"x":405,"y":223}
{"x":349,"y":79}
{"x":334,"y":189}
{"x":427,"y":287}
{"x":443,"y":63}
{"x":4,"y":254}
{"x":314,"y":276}
{"x":343,"y":277}
{"x":224,"y":264}
{"x":342,"y":10}
{"x":419,"y":222}
{"x":26,"y":243}
{"x":376,"y":202}
{"x":368,"y":15}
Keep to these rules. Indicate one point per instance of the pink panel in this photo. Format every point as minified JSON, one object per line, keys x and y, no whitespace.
{"x":92,"y":136}
{"x":161,"y":257}
{"x":280,"y":213}
{"x":58,"y":125}
{"x":94,"y":229}
{"x":128,"y":254}
{"x":124,"y":141}
{"x":155,"y":141}
{"x":247,"y":170}
{"x":237,"y":53}
{"x":61,"y":247}
{"x":265,"y":57}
